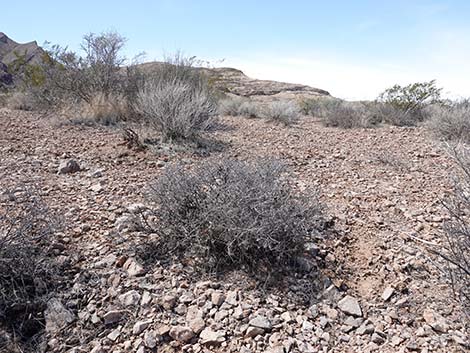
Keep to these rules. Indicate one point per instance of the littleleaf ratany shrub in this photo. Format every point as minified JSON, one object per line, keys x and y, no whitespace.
{"x":233,"y":215}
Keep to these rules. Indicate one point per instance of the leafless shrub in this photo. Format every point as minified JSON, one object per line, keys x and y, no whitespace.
{"x":232,"y":214}
{"x":249,"y":109}
{"x":390,"y":114}
{"x":238,"y":106}
{"x":451,"y":123}
{"x":285,"y":112}
{"x":457,"y":230}
{"x":177,"y":101}
{"x":346,"y":115}
{"x":312,"y":106}
{"x":66,"y":78}
{"x":27,"y":272}
{"x":231,"y":106}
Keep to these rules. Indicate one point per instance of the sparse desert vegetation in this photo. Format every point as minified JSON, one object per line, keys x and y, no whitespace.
{"x":321,"y":225}
{"x":457,"y":229}
{"x":232,"y":214}
{"x":451,"y":122}
{"x":286,"y":113}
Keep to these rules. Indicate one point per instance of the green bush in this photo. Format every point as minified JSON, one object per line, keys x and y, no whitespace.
{"x":405,"y":105}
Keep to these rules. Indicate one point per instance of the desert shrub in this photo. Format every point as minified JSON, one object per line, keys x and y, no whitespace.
{"x":177,"y":101}
{"x":231,"y":106}
{"x":451,"y":123}
{"x":457,"y":230}
{"x":346,"y":115}
{"x":405,"y":105}
{"x":319,"y":107}
{"x":27,"y":272}
{"x":233,"y":214}
{"x":249,"y":109}
{"x":284,"y":112}
{"x":238,"y":106}
{"x":21,"y":100}
{"x":310,"y":106}
{"x":65,"y":77}
{"x":389,"y":114}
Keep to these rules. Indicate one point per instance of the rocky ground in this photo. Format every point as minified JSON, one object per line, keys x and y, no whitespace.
{"x":376,"y":287}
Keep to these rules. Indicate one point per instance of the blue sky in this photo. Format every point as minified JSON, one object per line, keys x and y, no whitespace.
{"x":354,"y":49}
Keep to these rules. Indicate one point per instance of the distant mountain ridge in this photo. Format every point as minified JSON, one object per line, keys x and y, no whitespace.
{"x":9,"y":52}
{"x":227,"y":80}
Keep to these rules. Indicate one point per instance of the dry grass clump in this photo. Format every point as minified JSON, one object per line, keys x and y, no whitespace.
{"x":110,"y":110}
{"x":451,"y":123}
{"x":284,"y":112}
{"x":232,"y":214}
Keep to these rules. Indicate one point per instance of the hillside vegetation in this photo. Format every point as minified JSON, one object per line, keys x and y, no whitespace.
{"x":172,"y":207}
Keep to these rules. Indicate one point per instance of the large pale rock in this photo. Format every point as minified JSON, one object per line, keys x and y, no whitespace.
{"x":181,"y":333}
{"x":150,"y":339}
{"x":130,"y":298}
{"x":435,"y":320}
{"x":133,"y":268}
{"x":197,"y":325}
{"x":168,"y":302}
{"x":261,"y":322}
{"x":387,"y":293}
{"x":252,"y":332}
{"x":212,"y":338}
{"x":140,"y":326}
{"x":350,"y":306}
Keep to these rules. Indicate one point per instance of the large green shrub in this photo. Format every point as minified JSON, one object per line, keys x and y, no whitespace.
{"x":405,"y":105}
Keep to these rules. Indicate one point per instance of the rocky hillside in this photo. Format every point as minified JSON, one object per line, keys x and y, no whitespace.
{"x":9,"y":52}
{"x":234,"y":81}
{"x":228,"y":80}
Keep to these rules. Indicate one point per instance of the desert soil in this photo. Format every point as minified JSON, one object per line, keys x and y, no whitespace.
{"x":381,"y":187}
